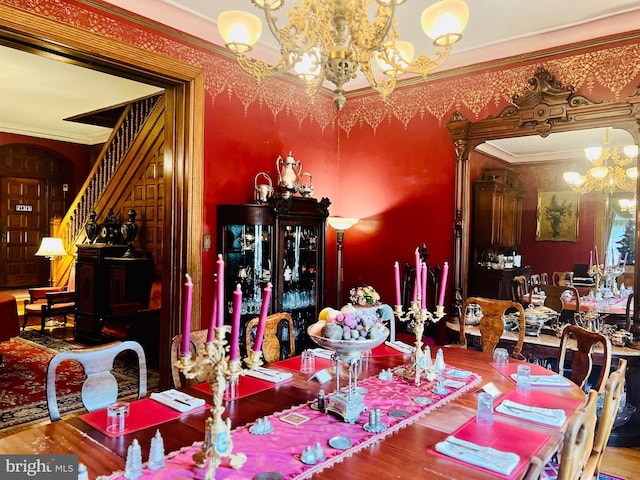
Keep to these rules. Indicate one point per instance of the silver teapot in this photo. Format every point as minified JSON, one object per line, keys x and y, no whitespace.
{"x":306,"y":190}
{"x":289,"y":170}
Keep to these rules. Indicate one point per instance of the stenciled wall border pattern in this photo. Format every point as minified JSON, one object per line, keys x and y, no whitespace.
{"x":614,"y":68}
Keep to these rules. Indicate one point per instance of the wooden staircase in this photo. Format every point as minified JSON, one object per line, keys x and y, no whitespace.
{"x":110,"y":180}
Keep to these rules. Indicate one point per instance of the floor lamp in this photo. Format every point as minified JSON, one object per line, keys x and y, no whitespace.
{"x":340,"y":224}
{"x":51,"y":247}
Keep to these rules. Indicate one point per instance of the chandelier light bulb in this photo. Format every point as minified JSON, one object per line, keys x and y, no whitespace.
{"x":445,"y":21}
{"x":308,"y":67}
{"x":632,"y":172}
{"x":572,"y":178}
{"x":631,"y":151}
{"x":599,"y":172}
{"x":239,"y":30}
{"x":593,"y":153}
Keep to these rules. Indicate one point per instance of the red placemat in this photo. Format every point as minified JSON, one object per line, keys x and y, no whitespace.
{"x":385,"y":351}
{"x":293,"y":363}
{"x":501,"y":436}
{"x":536,"y":369}
{"x":246,"y":386}
{"x":542,"y":400}
{"x":142,"y":414}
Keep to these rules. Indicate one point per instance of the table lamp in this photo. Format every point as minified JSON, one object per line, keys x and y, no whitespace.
{"x":340,"y":224}
{"x":51,"y":247}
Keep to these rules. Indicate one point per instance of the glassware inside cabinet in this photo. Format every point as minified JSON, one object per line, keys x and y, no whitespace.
{"x":248,"y":264}
{"x":300,"y":260}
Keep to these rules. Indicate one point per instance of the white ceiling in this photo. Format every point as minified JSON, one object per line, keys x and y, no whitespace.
{"x":38,"y":93}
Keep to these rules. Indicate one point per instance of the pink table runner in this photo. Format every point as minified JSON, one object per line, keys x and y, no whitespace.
{"x":281,"y":449}
{"x":142,"y":414}
{"x":501,"y":436}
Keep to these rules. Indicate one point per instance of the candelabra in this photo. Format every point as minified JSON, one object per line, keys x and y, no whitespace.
{"x":609,"y":274}
{"x":417,"y":318}
{"x":596,"y":272}
{"x":213,"y":362}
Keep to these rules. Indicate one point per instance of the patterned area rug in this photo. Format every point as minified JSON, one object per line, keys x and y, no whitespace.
{"x":22,"y":392}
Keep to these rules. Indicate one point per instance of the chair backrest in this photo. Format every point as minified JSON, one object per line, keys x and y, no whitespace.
{"x":100,"y":387}
{"x":612,"y":396}
{"x":544,"y":278}
{"x":71,"y":283}
{"x":278,"y":337}
{"x":534,"y":280}
{"x":628,"y":315}
{"x":197,"y":340}
{"x":555,"y":296}
{"x":562,"y":278}
{"x":492,"y":325}
{"x":519,"y":288}
{"x":581,"y":359}
{"x":155,"y":296}
{"x":578,"y":439}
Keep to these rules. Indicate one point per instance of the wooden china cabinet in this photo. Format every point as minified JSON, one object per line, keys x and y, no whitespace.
{"x":282,"y":242}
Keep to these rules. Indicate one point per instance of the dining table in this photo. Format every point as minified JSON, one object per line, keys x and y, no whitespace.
{"x":606,"y":306}
{"x":417,"y":420}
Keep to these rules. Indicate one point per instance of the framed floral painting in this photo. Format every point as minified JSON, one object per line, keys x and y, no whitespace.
{"x":557,"y":216}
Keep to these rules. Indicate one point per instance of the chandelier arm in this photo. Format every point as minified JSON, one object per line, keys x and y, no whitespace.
{"x":385,"y":86}
{"x":423,"y":65}
{"x":261,"y":70}
{"x":370,"y":37}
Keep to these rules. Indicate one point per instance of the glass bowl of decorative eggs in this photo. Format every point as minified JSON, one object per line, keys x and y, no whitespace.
{"x":351,"y":330}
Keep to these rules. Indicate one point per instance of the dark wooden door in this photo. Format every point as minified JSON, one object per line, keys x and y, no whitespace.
{"x":22,"y":221}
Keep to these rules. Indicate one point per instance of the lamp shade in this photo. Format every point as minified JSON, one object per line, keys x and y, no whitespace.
{"x":239,"y":30}
{"x":445,"y":21}
{"x":51,"y":247}
{"x":342,"y":223}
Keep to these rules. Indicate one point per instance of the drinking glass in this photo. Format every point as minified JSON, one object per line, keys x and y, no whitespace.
{"x":116,"y":417}
{"x":501,"y":358}
{"x":523,"y":379}
{"x":308,"y":361}
{"x":485,"y":409}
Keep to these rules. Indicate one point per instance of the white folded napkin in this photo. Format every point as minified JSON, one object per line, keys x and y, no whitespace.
{"x":485,"y":457}
{"x":448,"y":382}
{"x":269,"y":375}
{"x":183,"y":402}
{"x":548,"y":416}
{"x":454,"y":372}
{"x":546,"y":380}
{"x":400,"y":346}
{"x":323,"y":353}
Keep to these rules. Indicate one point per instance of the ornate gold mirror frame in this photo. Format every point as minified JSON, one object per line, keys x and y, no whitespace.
{"x":545,"y":107}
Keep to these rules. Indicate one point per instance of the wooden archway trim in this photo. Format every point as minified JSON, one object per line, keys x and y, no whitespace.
{"x":184,"y":122}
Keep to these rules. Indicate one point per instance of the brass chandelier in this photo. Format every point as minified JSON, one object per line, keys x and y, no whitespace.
{"x":332,"y":39}
{"x":611,"y":171}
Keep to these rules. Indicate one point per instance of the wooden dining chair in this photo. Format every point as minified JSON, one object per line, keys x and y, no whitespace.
{"x":100,"y":387}
{"x":50,"y":302}
{"x":197,"y":340}
{"x":519,"y":288}
{"x":564,"y":279}
{"x":278,"y":342}
{"x":492,"y":325}
{"x":580,"y":356}
{"x":558,"y":297}
{"x":612,"y":396}
{"x":578,"y":439}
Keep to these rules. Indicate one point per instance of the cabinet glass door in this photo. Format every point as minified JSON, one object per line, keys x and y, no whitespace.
{"x":299,"y":275}
{"x":248,"y":263}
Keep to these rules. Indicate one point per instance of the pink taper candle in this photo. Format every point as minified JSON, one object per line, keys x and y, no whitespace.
{"x":396,"y":274}
{"x":264,"y":310}
{"x":423,"y":283}
{"x":220,"y":292}
{"x":443,"y":283}
{"x":418,"y":288}
{"x":590,"y":259}
{"x":597,"y":261}
{"x":214,"y":312}
{"x":624,"y":263}
{"x":186,"y":320}
{"x":235,"y":325}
